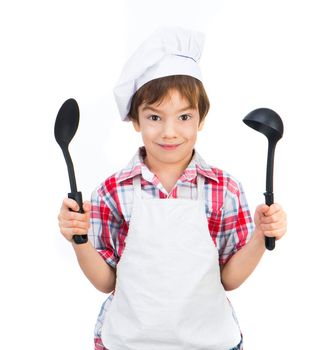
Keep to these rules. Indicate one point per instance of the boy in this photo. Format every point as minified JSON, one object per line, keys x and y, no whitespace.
{"x":170,"y":233}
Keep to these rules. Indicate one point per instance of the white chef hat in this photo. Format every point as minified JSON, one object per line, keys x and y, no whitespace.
{"x":168,"y":51}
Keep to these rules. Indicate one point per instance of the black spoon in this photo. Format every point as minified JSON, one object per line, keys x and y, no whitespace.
{"x":66,"y":125}
{"x":270,"y":124}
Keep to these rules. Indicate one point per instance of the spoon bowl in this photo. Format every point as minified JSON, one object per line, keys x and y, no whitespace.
{"x":66,"y":123}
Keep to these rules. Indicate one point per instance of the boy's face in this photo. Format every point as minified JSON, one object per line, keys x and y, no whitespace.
{"x":169,"y":131}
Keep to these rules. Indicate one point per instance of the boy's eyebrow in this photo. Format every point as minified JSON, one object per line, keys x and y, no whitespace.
{"x":156,"y":110}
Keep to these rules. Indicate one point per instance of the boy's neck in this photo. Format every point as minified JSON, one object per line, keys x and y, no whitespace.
{"x":167,"y":172}
{"x":170,"y":170}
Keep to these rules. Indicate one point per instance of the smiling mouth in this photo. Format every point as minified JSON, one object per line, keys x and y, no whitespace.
{"x":169,"y":147}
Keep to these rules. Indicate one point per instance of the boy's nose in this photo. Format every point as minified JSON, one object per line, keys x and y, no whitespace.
{"x":169,"y":130}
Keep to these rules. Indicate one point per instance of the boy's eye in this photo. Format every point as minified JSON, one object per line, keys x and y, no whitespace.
{"x":154,"y":117}
{"x":185,"y":117}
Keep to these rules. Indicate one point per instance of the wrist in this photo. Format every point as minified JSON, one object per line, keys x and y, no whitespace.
{"x":258,"y":238}
{"x":80,"y":247}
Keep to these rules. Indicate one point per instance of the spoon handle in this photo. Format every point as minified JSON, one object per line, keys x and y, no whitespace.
{"x":270,"y":242}
{"x":77,"y":196}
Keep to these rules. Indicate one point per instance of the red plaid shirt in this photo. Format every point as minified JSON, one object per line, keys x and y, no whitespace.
{"x":229,"y":219}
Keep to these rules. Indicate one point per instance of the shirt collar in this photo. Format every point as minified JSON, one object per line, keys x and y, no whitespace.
{"x":199,"y":166}
{"x":136,"y":166}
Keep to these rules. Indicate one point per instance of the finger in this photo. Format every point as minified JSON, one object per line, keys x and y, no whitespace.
{"x":273,"y":227}
{"x":275,"y":233}
{"x":262,"y":209}
{"x":74,"y":224}
{"x":75,"y":230}
{"x":73,"y":215}
{"x":69,"y":203}
{"x":69,"y":232}
{"x":273,"y":209}
{"x":276,"y":217}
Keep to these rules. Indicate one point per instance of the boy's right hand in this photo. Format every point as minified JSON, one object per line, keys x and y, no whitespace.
{"x":72,"y":223}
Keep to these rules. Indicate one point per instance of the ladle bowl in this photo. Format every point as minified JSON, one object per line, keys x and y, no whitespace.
{"x":266,"y":121}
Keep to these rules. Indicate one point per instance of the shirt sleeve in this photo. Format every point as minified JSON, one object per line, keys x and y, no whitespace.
{"x":236,"y":222}
{"x":105,"y":224}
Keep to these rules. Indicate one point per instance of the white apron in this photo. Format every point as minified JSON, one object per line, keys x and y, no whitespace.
{"x":168,"y":293}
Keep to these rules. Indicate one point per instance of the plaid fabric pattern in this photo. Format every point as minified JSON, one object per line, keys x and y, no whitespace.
{"x":229,"y":220}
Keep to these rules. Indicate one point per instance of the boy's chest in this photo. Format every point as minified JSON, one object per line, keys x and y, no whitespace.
{"x":171,"y":188}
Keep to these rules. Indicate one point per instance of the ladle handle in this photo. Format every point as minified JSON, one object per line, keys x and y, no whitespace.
{"x":77,"y":196}
{"x":270,"y":242}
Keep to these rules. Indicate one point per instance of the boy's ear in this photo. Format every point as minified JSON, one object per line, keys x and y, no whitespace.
{"x":136,"y":125}
{"x":201,"y":125}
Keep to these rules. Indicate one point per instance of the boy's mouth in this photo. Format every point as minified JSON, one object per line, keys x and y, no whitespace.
{"x":169,"y":146}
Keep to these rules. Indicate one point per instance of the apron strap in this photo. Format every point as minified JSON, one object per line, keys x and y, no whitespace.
{"x":137,"y":186}
{"x":201,"y":187}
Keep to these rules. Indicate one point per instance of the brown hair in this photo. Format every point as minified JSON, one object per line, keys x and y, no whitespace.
{"x":156,"y":90}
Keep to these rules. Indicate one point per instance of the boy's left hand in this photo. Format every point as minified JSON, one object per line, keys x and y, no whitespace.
{"x":270,"y":221}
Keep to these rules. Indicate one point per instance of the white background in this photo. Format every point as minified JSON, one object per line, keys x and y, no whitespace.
{"x":258,"y":53}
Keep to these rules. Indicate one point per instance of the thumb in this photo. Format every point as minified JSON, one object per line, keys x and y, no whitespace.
{"x":262,"y":209}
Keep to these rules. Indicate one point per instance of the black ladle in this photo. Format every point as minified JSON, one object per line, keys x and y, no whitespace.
{"x":269,"y":123}
{"x":66,"y":125}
